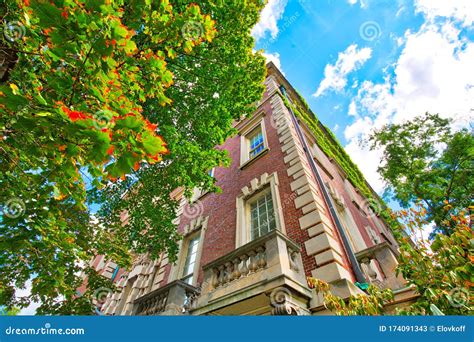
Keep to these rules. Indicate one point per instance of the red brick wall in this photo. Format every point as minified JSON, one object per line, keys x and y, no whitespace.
{"x":221,"y":208}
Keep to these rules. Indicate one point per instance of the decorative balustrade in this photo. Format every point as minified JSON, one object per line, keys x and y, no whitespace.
{"x":175,"y":298}
{"x":248,"y":260}
{"x":153,"y":305}
{"x":379,"y":263}
{"x":253,"y":270}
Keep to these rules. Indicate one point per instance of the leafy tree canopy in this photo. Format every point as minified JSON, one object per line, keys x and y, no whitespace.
{"x":440,"y":270}
{"x":97,"y":97}
{"x":423,"y":159}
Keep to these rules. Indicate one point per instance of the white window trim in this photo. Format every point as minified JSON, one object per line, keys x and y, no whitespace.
{"x":255,"y":122}
{"x":198,"y":192}
{"x":243,"y":209}
{"x":185,"y":256}
{"x":195,"y":227}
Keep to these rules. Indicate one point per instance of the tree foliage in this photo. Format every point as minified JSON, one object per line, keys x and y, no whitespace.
{"x":424,"y":159}
{"x":103,"y":98}
{"x":372,"y":304}
{"x":214,"y":86}
{"x":440,"y":270}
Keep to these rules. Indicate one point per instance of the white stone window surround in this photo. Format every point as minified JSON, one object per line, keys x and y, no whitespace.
{"x":247,"y":127}
{"x":257,"y":185}
{"x":190,"y":259}
{"x":198,"y":192}
{"x":192,"y":230}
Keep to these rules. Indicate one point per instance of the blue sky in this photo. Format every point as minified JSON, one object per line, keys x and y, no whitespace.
{"x":363,"y":64}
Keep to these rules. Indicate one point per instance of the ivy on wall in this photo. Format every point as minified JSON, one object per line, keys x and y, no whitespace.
{"x":329,"y":144}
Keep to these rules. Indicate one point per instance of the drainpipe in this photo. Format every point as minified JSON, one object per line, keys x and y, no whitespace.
{"x":345,"y":241}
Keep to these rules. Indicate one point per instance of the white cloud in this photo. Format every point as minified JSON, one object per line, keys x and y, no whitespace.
{"x":363,"y":3}
{"x":275,"y":58}
{"x":433,"y":73}
{"x":367,"y":161}
{"x":271,"y":13}
{"x":335,"y":76}
{"x":459,"y":10}
{"x":352,"y":109}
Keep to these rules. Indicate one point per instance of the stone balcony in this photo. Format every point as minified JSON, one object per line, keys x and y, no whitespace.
{"x":174,"y":298}
{"x":379,"y":263}
{"x":266,"y":273}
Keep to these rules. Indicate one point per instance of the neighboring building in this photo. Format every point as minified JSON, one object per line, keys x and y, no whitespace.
{"x":287,"y":211}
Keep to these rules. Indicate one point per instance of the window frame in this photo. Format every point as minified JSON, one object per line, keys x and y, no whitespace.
{"x":196,"y":227}
{"x":198,"y":192}
{"x":185,"y":255}
{"x":255,"y":151}
{"x":248,"y":203}
{"x":256,"y":123}
{"x":267,"y":183}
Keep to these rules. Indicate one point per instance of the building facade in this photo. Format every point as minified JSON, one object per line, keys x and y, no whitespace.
{"x":287,"y":210}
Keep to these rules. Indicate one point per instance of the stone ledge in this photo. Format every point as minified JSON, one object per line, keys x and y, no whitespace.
{"x":264,"y":286}
{"x":251,"y":161}
{"x":320,"y":243}
{"x":342,"y":288}
{"x":331,"y":272}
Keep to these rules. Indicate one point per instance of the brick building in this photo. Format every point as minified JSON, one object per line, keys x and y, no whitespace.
{"x":290,"y":207}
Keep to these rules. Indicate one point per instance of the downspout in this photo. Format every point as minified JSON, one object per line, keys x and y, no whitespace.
{"x":345,"y":241}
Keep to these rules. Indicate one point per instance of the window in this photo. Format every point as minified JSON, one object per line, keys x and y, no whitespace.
{"x":259,"y":209}
{"x":198,"y":192}
{"x":262,"y":215}
{"x":253,"y":140}
{"x":191,"y":256}
{"x":256,"y":142}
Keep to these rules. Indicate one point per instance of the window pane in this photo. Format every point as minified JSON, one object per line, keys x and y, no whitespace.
{"x":190,"y":259}
{"x":262,"y":219}
{"x":256,"y":142}
{"x":189,"y":269}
